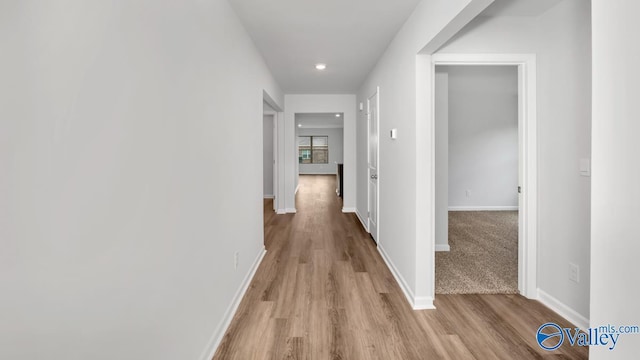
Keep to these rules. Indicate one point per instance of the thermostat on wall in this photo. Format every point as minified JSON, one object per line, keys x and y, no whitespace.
{"x":394,"y":133}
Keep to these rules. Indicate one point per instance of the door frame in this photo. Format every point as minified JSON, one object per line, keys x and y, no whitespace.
{"x":274,"y":114}
{"x":527,"y":151}
{"x":376,"y":236}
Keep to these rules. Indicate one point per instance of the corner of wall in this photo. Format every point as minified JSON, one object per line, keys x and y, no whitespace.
{"x":218,"y":334}
{"x":563,"y":310}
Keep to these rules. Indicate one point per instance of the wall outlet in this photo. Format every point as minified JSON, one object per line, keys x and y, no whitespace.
{"x":574,"y":273}
{"x":236,"y":260}
{"x":468,"y":193}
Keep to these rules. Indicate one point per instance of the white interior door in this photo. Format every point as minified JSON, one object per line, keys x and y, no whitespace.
{"x":373,"y":120}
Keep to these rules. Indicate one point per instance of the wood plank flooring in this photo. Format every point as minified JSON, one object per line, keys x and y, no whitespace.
{"x":323,"y":292}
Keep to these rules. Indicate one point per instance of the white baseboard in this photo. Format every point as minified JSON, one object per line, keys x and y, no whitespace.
{"x":297,"y":188}
{"x":443,"y":247}
{"x":281,"y":211}
{"x":423,"y":303}
{"x":366,"y":228}
{"x":348,"y":210}
{"x":483,"y":208}
{"x":290,"y":210}
{"x":269,"y":197}
{"x":563,"y":310}
{"x":218,"y":335}
{"x":417,"y":303}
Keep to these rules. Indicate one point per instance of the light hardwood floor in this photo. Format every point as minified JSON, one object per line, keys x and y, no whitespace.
{"x":323,"y":292}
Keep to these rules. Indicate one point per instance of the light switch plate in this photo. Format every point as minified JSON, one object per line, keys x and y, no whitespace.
{"x":394,"y":133}
{"x":585,"y":167}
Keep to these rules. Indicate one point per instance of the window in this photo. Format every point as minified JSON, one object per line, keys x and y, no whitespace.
{"x":313,"y":149}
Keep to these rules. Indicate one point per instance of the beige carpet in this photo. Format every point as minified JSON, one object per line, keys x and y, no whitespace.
{"x":484,"y":254}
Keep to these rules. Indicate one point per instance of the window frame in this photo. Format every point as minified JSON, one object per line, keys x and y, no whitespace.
{"x":310,"y":150}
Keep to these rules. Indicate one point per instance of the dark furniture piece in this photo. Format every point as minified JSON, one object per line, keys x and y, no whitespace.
{"x":339,"y":180}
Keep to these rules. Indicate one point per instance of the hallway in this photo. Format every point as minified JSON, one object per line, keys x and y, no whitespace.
{"x":323,"y":292}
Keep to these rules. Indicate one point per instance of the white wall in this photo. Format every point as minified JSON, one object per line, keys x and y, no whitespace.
{"x":123,"y":133}
{"x":266,"y":107}
{"x":616,"y":170}
{"x":483,"y":137}
{"x":442,"y":159}
{"x":267,"y":155}
{"x":336,"y":144}
{"x":403,"y":220}
{"x":560,"y":38}
{"x":564,"y":115}
{"x":299,"y":104}
{"x":517,"y":34}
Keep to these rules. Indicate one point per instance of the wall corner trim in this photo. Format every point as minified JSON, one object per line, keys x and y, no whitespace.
{"x":417,"y":303}
{"x":443,"y":247}
{"x":423,"y":303}
{"x":563,"y":310}
{"x":364,"y":223}
{"x":218,"y":334}
{"x":484,"y":208}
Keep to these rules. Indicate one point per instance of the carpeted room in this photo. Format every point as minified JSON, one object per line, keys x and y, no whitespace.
{"x":484,"y":254}
{"x":477,"y":185}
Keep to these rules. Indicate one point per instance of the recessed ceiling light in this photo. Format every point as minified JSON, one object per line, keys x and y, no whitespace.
{"x":299,"y":125}
{"x":337,"y":115}
{"x":321,"y":66}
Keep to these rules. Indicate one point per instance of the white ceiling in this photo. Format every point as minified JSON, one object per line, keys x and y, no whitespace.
{"x":348,"y":35}
{"x":319,"y":121}
{"x":519,"y":7}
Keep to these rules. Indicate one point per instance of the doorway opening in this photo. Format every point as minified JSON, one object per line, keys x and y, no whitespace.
{"x":474,"y":141}
{"x":269,"y":159}
{"x":319,"y":148}
{"x":270,"y":166}
{"x":476,"y":124}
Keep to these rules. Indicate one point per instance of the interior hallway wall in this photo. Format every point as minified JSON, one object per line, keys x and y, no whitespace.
{"x":404,"y":213}
{"x":124,"y":128}
{"x":616,"y":170}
